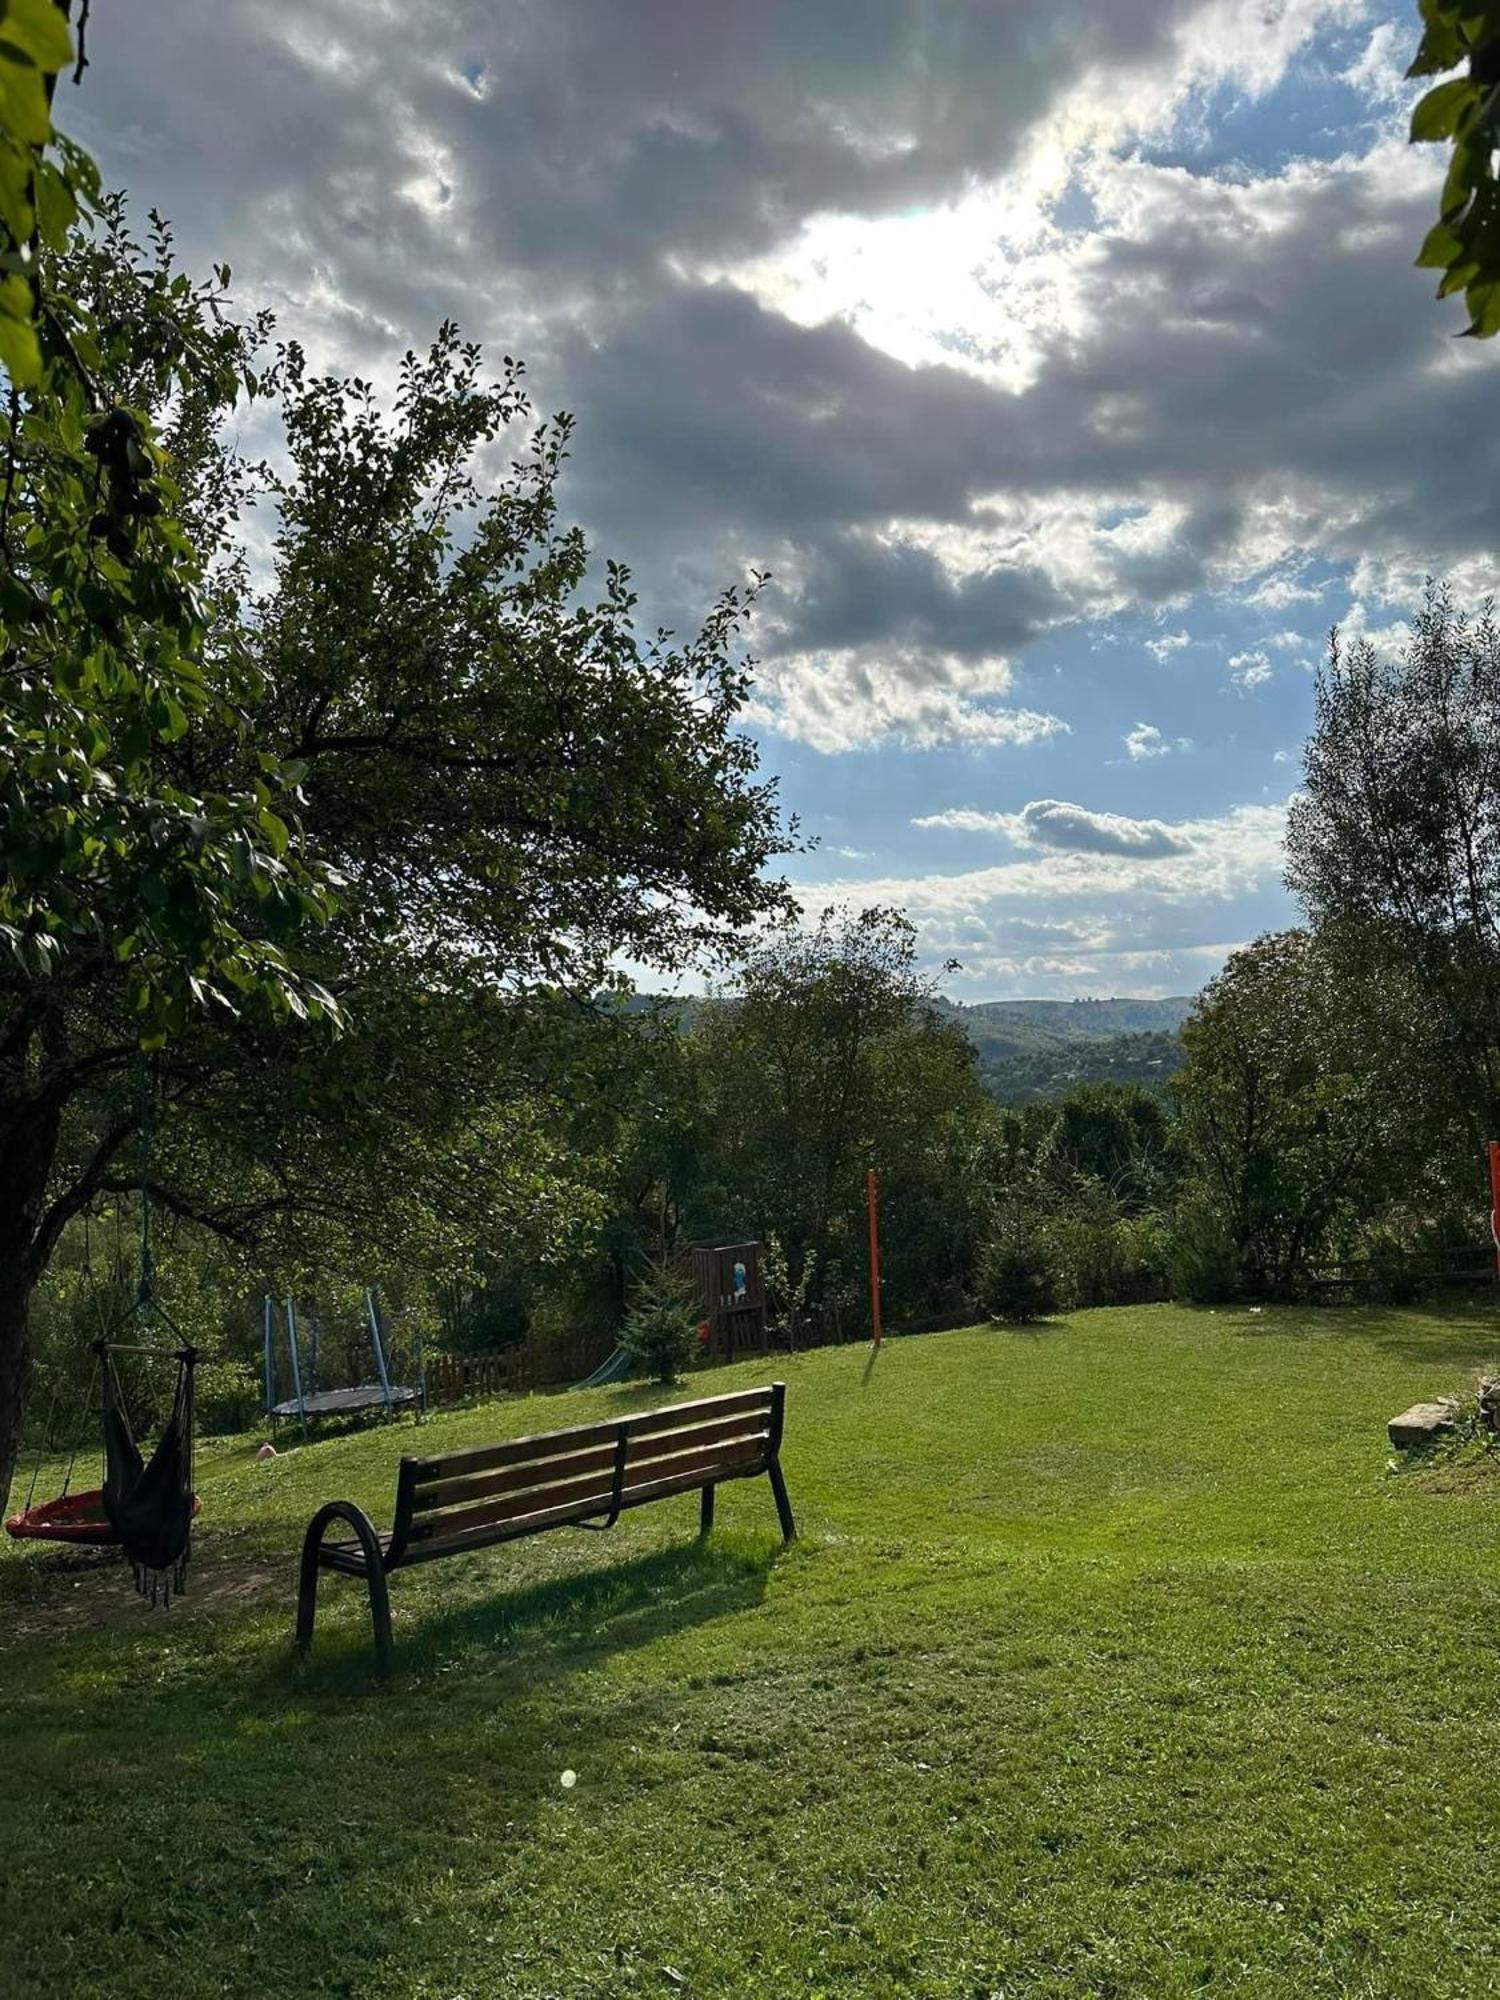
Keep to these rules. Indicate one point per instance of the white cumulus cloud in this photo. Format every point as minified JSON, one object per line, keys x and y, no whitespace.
{"x":1250,"y":669}
{"x":1145,"y":740}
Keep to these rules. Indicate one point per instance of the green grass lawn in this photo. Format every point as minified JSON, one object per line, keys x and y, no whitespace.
{"x":1112,"y":1660}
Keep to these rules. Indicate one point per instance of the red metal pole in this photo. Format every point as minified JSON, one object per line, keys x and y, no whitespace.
{"x":872,"y":1203}
{"x":1493,"y":1150}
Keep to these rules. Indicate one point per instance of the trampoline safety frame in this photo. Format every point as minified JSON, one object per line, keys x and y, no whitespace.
{"x":307,"y":1400}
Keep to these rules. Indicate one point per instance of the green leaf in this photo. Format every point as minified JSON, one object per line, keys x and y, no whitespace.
{"x":23,"y":100}
{"x":1438,"y":114}
{"x":278,"y":839}
{"x":56,"y":209}
{"x":1439,"y":248}
{"x":1458,"y":276}
{"x":1439,"y":49}
{"x":1484,"y":305}
{"x":1458,"y":188}
{"x":15,"y":186}
{"x":20,"y":356}
{"x":39,"y":30}
{"x":174,"y":723}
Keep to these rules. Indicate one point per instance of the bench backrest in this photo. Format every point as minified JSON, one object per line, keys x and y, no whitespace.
{"x":496,"y":1492}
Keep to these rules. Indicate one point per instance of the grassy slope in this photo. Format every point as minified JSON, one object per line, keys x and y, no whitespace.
{"x":1111,"y":1662}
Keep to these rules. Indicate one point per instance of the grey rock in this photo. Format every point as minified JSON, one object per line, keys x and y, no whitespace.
{"x":1422,"y":1423}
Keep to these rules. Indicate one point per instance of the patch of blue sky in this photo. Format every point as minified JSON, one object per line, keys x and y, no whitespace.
{"x":1182,"y":716}
{"x":1330,"y":101}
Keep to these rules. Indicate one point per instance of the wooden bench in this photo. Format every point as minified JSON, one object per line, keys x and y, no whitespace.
{"x":581,"y":1478}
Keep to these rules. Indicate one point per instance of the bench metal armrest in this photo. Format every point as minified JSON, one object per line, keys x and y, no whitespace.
{"x":375,"y":1567}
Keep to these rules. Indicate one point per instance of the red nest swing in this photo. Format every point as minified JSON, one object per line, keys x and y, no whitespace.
{"x":75,"y":1517}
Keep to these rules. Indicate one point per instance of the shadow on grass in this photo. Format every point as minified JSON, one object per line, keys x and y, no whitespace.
{"x":1433,"y":1331}
{"x":548,"y":1627}
{"x":294,"y":1806}
{"x":1027,"y":1329}
{"x":1462,"y":1334}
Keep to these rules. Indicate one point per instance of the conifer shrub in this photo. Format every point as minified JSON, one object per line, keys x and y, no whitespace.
{"x":660,"y":1332}
{"x":1017,"y":1277}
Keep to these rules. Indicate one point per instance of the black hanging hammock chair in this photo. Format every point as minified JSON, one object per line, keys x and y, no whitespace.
{"x":150,"y":1503}
{"x":145,"y":1506}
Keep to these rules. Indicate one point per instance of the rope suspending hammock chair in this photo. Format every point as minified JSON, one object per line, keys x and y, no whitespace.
{"x":145,"y":1506}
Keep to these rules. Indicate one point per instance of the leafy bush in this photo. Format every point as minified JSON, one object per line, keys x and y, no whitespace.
{"x":1103,"y":1258}
{"x":660,"y":1332}
{"x":1201,"y":1264}
{"x":787,"y":1297}
{"x":568,"y":1308}
{"x":1017,"y":1278}
{"x":226,"y":1396}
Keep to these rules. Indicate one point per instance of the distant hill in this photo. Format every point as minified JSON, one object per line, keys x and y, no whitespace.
{"x":1031,"y":1049}
{"x":1149,"y":1059}
{"x":1011,"y":1027}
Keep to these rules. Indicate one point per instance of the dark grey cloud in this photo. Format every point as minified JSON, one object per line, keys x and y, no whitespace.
{"x":592,"y":136}
{"x":1319,"y":406}
{"x":1077,"y":830}
{"x":861,"y":593}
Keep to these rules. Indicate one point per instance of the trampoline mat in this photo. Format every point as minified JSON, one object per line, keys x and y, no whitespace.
{"x":331,"y":1402}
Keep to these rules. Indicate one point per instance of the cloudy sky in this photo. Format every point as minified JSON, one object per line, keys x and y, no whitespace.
{"x":1061,"y":359}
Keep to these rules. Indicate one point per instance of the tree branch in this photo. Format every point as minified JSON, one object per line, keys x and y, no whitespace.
{"x":89,"y":1183}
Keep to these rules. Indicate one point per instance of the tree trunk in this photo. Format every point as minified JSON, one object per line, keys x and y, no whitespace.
{"x":15,"y":1367}
{"x":28,"y":1142}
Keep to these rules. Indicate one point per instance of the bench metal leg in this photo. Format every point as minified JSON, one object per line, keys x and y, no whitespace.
{"x":307,"y":1587}
{"x":783,"y":1505}
{"x":706,"y":1510}
{"x":307,"y":1592}
{"x":380,"y":1618}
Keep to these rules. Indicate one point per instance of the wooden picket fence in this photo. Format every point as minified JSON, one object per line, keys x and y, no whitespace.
{"x":1461,"y":1268}
{"x":509,"y":1371}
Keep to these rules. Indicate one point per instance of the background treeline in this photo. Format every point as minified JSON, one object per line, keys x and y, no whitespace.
{"x":1028,"y":1076}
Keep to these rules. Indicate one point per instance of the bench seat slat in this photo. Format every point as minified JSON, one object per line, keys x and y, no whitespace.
{"x":348,"y":1556}
{"x":659,"y":1439}
{"x":424,"y":1548}
{"x":480,"y":1535}
{"x":705,"y":1410}
{"x":665,"y":1483}
{"x":514,"y":1451}
{"x":589,"y":1494}
{"x":511,"y":1478}
{"x":697,"y":1468}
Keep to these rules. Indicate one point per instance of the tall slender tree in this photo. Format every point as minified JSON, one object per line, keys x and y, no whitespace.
{"x":1393,"y":843}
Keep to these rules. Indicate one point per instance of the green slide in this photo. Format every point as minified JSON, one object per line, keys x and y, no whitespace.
{"x":614,"y":1370}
